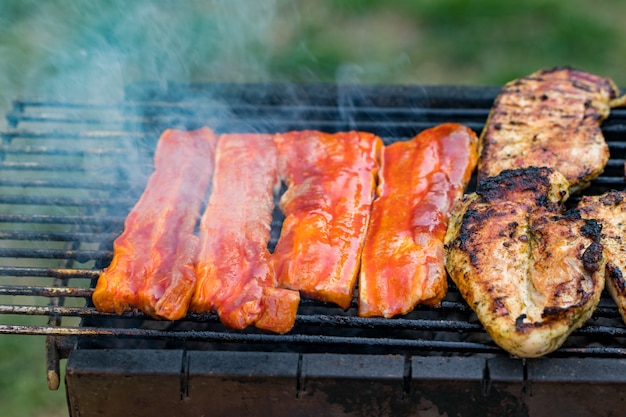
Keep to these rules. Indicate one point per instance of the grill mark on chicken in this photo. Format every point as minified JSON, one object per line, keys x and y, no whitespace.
{"x":531,"y":271}
{"x":615,"y":274}
{"x":531,"y":181}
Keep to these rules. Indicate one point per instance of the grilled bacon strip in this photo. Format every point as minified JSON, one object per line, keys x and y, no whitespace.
{"x":531,"y":271}
{"x":235,"y":275}
{"x":402,"y":261}
{"x":550,"y":118}
{"x":610,"y":210}
{"x":330,"y":180}
{"x":152,"y":266}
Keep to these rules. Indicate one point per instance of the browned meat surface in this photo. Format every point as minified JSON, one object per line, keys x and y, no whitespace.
{"x":610,"y":210}
{"x":550,"y":118}
{"x":532,"y":272}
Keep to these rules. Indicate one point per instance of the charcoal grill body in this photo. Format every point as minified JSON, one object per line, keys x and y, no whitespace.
{"x":84,"y":166}
{"x":205,"y":383}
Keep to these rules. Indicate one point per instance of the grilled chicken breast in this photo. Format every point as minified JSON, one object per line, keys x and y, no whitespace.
{"x":610,"y":210}
{"x":550,"y":118}
{"x":532,"y":272}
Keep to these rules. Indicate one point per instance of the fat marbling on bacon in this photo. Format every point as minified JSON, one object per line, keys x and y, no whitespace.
{"x":152,"y":267}
{"x":234,"y":272}
{"x":402,"y":262}
{"x":330,"y":182}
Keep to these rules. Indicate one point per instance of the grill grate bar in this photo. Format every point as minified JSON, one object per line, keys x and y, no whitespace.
{"x":46,"y":291}
{"x":81,"y":135}
{"x":323,"y":320}
{"x":51,"y":151}
{"x":617,"y":181}
{"x":241,"y":337}
{"x":16,"y":117}
{"x":241,"y":108}
{"x":77,"y":255}
{"x":63,"y":273}
{"x":59,"y":236}
{"x":66,"y":201}
{"x":72,"y":220}
{"x":72,"y":184}
{"x":391,"y":345}
{"x":35,"y":166}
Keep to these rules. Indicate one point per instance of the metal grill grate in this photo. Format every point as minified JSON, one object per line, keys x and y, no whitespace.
{"x":70,"y":172}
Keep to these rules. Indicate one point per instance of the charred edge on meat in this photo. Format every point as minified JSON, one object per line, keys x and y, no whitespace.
{"x":592,"y":257}
{"x":552,"y":314}
{"x":592,"y":229}
{"x":616,"y":276}
{"x":612,"y":198}
{"x":533,"y":179}
{"x":580,"y":79}
{"x":467,"y":232}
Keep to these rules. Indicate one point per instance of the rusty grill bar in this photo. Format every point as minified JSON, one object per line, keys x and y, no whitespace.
{"x":71,"y":171}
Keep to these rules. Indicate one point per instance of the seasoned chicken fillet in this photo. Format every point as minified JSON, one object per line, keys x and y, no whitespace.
{"x":550,"y":118}
{"x":610,"y":210}
{"x":532,"y":272}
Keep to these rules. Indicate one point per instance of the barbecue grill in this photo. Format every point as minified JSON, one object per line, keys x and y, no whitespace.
{"x":71,"y":171}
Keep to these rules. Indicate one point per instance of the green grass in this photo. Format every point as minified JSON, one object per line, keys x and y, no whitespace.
{"x":90,"y":50}
{"x":23,"y":388}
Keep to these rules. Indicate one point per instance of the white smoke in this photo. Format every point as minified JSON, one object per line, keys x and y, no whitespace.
{"x":89,"y":51}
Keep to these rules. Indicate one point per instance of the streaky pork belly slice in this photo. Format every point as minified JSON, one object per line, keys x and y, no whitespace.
{"x":330,"y":182}
{"x":152,"y":266}
{"x":235,"y":276}
{"x":402,"y":262}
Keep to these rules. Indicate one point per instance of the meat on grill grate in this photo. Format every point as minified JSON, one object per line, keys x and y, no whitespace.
{"x":235,"y":275}
{"x":550,"y":118}
{"x":402,"y":260}
{"x":72,"y":171}
{"x":153,"y":263}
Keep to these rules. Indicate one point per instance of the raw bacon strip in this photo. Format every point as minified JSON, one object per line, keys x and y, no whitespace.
{"x":235,"y":275}
{"x":330,"y":180}
{"x":152,"y":266}
{"x":402,"y":262}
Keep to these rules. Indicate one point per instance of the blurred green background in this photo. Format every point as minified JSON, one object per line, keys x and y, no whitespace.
{"x":89,"y":50}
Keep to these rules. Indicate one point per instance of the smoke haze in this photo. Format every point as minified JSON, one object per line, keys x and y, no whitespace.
{"x":89,"y":50}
